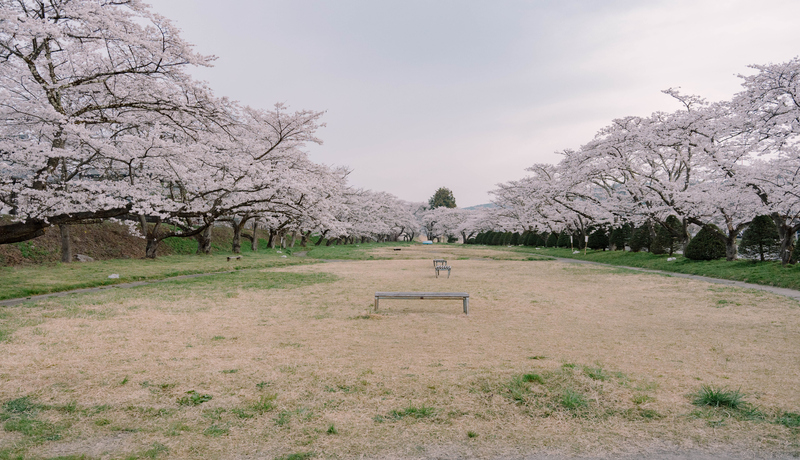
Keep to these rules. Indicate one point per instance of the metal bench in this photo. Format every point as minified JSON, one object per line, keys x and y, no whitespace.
{"x":440,"y":265}
{"x":463,"y":296}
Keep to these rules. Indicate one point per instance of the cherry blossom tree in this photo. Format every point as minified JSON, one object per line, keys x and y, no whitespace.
{"x":769,"y":108}
{"x":91,"y":91}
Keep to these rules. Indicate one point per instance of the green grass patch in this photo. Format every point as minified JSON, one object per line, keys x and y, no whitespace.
{"x":351,"y":251}
{"x":215,"y":431}
{"x":296,"y":456}
{"x":36,"y":429}
{"x":789,"y":420}
{"x":571,"y":399}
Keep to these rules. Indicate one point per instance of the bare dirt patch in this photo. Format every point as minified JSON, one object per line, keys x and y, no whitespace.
{"x":558,"y":358}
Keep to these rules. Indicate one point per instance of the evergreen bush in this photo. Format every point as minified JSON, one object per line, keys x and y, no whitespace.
{"x":598,"y":239}
{"x":706,"y":245}
{"x":796,"y":252}
{"x":760,"y":239}
{"x":552,"y":240}
{"x":563,"y":240}
{"x":497,"y":239}
{"x":662,"y":242}
{"x":668,"y":236}
{"x":619,"y":237}
{"x":640,"y":238}
{"x":515,"y":239}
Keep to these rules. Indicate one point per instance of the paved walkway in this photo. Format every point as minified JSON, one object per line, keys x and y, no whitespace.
{"x":791,"y":293}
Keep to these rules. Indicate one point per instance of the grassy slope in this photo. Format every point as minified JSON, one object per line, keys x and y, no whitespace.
{"x":768,"y":273}
{"x":25,"y":281}
{"x":33,"y":280}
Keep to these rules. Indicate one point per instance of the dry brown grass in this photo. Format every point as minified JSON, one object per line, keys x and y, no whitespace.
{"x":328,"y":360}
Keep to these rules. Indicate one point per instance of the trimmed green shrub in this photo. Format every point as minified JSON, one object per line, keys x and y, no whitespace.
{"x":598,"y":239}
{"x":497,"y":239}
{"x":515,"y":239}
{"x":506,"y":238}
{"x":541,"y":239}
{"x":796,"y":253}
{"x":760,"y":239}
{"x":706,"y":245}
{"x":619,"y":237}
{"x":563,"y":240}
{"x":552,"y":240}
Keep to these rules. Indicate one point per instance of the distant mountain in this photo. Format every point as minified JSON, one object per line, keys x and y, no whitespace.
{"x":479,"y":206}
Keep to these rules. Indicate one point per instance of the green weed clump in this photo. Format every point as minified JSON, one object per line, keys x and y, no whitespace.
{"x":789,"y":420}
{"x":708,"y":395}
{"x":413,"y":412}
{"x":297,"y":456}
{"x":193,"y":399}
{"x":572,"y":399}
{"x":265,"y":403}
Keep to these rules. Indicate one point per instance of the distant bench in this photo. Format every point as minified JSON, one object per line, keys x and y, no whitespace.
{"x":424,"y":296}
{"x":439,"y":265}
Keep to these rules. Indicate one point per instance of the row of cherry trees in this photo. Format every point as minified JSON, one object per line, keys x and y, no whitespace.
{"x":720,"y":163}
{"x":100,"y":119}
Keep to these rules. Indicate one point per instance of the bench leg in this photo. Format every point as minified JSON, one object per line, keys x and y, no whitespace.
{"x":448,"y":273}
{"x":376,"y":304}
{"x":466,"y":305}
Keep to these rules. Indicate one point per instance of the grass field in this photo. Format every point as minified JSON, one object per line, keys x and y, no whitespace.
{"x":290,"y":362}
{"x":769,"y":273}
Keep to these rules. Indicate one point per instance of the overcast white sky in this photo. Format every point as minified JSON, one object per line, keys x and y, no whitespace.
{"x":467,"y":94}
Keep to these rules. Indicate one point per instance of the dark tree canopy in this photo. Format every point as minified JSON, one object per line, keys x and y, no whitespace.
{"x":442,"y":197}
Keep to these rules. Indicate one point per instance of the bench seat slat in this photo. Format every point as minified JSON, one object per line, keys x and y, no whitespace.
{"x":463,"y":296}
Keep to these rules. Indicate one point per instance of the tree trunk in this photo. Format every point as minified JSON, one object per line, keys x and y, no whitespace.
{"x":321,"y":238}
{"x":236,"y":243}
{"x":304,"y":238}
{"x":786,"y":233}
{"x":294,"y":237}
{"x":254,"y":241}
{"x":204,"y":241}
{"x":271,"y":239}
{"x":152,"y":247}
{"x":151,"y":237}
{"x":730,"y":247}
{"x":685,"y":237}
{"x":652,"y":229}
{"x":66,"y":244}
